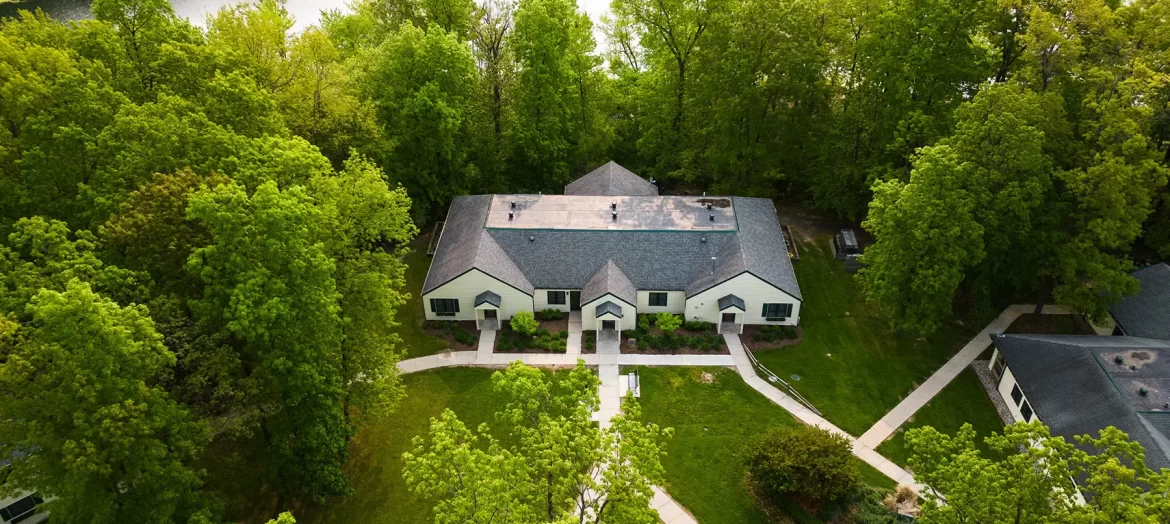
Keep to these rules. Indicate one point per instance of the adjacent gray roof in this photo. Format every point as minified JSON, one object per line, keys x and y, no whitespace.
{"x":488,"y":297}
{"x":611,"y":179}
{"x":758,"y":248}
{"x":729,"y":301}
{"x":465,"y":245}
{"x":608,"y":307}
{"x":609,"y":280}
{"x":1076,"y":387}
{"x":1147,"y":314}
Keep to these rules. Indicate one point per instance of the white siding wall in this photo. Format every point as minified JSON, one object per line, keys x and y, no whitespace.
{"x":589,"y":318}
{"x":540,"y":299}
{"x":467,"y":286}
{"x":676,"y":302}
{"x":754,"y":292}
{"x":1005,"y":390}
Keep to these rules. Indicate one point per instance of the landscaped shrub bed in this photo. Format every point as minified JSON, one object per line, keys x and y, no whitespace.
{"x":589,"y":341}
{"x":458,"y":334}
{"x":542,"y":340}
{"x":551,"y":314}
{"x":680,"y":337}
{"x":757,"y":338}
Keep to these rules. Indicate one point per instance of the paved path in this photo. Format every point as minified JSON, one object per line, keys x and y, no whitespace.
{"x":933,"y":385}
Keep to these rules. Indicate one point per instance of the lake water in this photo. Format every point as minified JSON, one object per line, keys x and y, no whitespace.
{"x":305,"y":12}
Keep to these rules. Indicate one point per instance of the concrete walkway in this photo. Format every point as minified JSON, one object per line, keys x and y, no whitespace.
{"x":933,"y":385}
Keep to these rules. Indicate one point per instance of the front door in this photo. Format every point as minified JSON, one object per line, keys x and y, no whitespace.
{"x":608,"y":325}
{"x":574,"y":301}
{"x":729,"y":317}
{"x":489,"y":314}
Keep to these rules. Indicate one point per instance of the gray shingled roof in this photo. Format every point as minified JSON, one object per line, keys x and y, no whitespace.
{"x":1069,"y":388}
{"x":465,"y":245}
{"x":729,"y":301}
{"x":611,"y":179}
{"x":1147,"y":314}
{"x":487,"y":297}
{"x":609,"y":280}
{"x":758,"y":248}
{"x":608,"y":307}
{"x":650,"y":260}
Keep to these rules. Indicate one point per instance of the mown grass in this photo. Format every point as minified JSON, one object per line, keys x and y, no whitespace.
{"x":850,"y":364}
{"x":415,"y":340}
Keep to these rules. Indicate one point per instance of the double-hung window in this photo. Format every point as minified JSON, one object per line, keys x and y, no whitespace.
{"x":657,"y":299}
{"x":1017,"y":395}
{"x":1026,"y":410}
{"x":445,"y":307}
{"x":777,"y":311}
{"x":556,"y":298}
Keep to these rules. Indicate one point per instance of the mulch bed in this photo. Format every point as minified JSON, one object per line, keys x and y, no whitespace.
{"x":449,"y":335}
{"x":506,"y":331}
{"x":749,"y":341}
{"x":683,"y":350}
{"x":555,"y":326}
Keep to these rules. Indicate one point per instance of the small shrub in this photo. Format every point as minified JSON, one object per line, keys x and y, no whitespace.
{"x":643,"y":323}
{"x":668,"y":322}
{"x":789,"y":331}
{"x":433,"y":324}
{"x":552,"y":314}
{"x":523,"y":323}
{"x":589,"y":339}
{"x":804,"y":461}
{"x":464,"y":337}
{"x":696,"y":325}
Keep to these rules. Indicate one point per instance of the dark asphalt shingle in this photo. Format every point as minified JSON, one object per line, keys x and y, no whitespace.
{"x":465,"y":245}
{"x":611,"y":179}
{"x":1147,"y":314}
{"x":729,"y":301}
{"x":609,"y":279}
{"x":1070,"y":390}
{"x":487,"y":297}
{"x":608,"y":307}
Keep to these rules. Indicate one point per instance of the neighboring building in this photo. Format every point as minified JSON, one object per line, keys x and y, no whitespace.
{"x":1146,"y":314}
{"x":22,"y":508}
{"x":1079,"y":385}
{"x":611,"y":247}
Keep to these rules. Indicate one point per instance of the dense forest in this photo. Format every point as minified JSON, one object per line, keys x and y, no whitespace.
{"x":201,"y":229}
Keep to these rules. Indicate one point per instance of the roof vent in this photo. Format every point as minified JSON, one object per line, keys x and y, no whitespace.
{"x":614,"y":215}
{"x":511,"y":215}
{"x":708,"y":206}
{"x":1119,"y":359}
{"x":532,"y":239}
{"x":711,"y":216}
{"x":1143,"y":391}
{"x":652,"y":180}
{"x":703,"y":239}
{"x":513,"y":203}
{"x":704,"y":193}
{"x":613,"y":206}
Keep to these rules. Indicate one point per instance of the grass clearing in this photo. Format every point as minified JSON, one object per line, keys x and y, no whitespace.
{"x":714,"y":418}
{"x":963,"y":400}
{"x":375,"y":463}
{"x":851,"y":365}
{"x":415,"y":340}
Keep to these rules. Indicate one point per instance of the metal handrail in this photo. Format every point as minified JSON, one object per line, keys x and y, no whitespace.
{"x":772,"y":377}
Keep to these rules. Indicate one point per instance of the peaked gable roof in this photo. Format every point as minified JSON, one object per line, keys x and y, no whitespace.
{"x":758,"y":248}
{"x":465,"y":245}
{"x":611,"y":179}
{"x":1147,"y":314}
{"x":1075,"y":387}
{"x":609,"y":280}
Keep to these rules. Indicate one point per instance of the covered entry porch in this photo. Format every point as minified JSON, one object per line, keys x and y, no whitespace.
{"x":731,"y":310}
{"x":487,"y":311}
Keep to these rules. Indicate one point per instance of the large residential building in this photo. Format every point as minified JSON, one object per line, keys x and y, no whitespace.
{"x":1079,"y":385}
{"x":612,"y":248}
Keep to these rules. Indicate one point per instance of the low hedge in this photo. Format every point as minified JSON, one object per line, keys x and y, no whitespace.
{"x":674,"y":342}
{"x":774,"y":333}
{"x":543,"y":339}
{"x":552,"y":314}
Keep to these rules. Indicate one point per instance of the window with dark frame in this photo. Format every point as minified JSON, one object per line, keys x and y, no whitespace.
{"x":999,"y":365}
{"x":1026,"y":410}
{"x":20,"y":508}
{"x":657,"y":299}
{"x":1017,"y":395}
{"x":777,"y":311}
{"x":445,"y":307}
{"x":556,"y":298}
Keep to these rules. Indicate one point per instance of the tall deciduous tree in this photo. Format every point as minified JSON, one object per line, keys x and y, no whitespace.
{"x":86,"y":420}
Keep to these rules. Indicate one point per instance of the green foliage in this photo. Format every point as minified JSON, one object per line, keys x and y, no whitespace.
{"x":284,"y":518}
{"x":769,"y":333}
{"x":1030,"y":473}
{"x":803,"y":461}
{"x":523,"y":322}
{"x":464,"y":337}
{"x":545,"y":473}
{"x":109,"y":443}
{"x":668,"y":322}
{"x":696,"y":325}
{"x":552,"y":314}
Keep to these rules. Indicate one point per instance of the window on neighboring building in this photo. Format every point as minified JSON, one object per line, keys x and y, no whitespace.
{"x":445,"y":307}
{"x":658,"y":299}
{"x":556,"y":298}
{"x":1017,"y":395}
{"x":20,"y":509}
{"x":777,"y":311}
{"x":1026,"y":410}
{"x":998,"y":366}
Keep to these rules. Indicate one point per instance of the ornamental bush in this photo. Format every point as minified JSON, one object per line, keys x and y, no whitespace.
{"x":668,"y":322}
{"x":522,"y":322}
{"x":552,"y":314}
{"x":803,"y":461}
{"x":696,"y":325}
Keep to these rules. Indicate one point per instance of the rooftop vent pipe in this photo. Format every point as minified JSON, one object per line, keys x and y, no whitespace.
{"x":708,"y":207}
{"x":511,"y":215}
{"x":711,"y":217}
{"x":613,"y":206}
{"x":614,"y":215}
{"x":532,"y":239}
{"x":1143,"y":391}
{"x":703,"y":239}
{"x":513,"y":203}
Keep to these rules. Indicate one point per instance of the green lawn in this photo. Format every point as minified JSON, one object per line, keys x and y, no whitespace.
{"x":415,"y":341}
{"x":375,"y":462}
{"x":851,"y":365}
{"x":712,"y":423}
{"x":963,"y":400}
